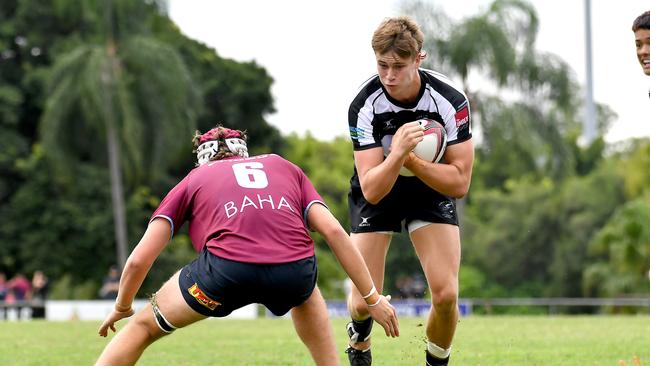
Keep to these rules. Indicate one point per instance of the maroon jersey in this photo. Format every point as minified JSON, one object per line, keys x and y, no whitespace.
{"x":248,"y":210}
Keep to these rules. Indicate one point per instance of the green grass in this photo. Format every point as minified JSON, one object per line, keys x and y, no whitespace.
{"x":480,"y":341}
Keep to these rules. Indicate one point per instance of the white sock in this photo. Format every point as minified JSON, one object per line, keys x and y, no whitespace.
{"x":362,"y":350}
{"x":438,"y":351}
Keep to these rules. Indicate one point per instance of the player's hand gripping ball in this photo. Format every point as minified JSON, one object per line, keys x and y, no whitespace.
{"x":431,"y":148}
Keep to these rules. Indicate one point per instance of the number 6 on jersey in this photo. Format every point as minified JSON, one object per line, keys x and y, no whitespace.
{"x":250,"y":175}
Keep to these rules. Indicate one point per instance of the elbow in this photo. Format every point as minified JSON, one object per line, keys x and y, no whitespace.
{"x":371,"y":196}
{"x":372,"y":192}
{"x":372,"y":199}
{"x":135,"y":264}
{"x":458,"y":195}
{"x":331,"y":232}
{"x":460,"y":191}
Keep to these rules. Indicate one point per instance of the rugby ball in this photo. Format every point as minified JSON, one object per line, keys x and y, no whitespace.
{"x":431,"y":148}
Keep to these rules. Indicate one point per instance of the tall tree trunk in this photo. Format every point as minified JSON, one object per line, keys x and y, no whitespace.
{"x":110,"y":72}
{"x":117,"y":194}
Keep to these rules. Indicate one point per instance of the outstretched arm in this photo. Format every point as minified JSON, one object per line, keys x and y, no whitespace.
{"x":322,"y":220}
{"x":135,"y":270}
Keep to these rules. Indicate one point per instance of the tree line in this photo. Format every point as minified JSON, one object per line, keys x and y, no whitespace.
{"x":99,"y":101}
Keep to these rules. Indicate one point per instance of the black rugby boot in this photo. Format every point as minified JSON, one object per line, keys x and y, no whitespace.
{"x":359,"y":358}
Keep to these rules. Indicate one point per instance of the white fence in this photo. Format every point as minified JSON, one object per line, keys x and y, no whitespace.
{"x":60,"y":310}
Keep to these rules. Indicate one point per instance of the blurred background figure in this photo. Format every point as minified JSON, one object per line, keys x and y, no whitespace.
{"x":3,"y":294}
{"x":403,"y":285}
{"x":3,"y":286}
{"x":19,"y":290}
{"x":111,"y":284}
{"x":411,"y":286}
{"x":40,"y":289}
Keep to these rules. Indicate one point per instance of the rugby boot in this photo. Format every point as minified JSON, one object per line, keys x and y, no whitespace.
{"x":358,"y":357}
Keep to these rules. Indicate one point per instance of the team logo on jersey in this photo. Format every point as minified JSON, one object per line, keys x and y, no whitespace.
{"x":462,"y":116}
{"x":201,"y":297}
{"x":388,"y":125}
{"x":356,"y":133}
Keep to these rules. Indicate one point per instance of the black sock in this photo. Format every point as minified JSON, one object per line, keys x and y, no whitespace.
{"x":360,"y":330}
{"x":435,"y":361}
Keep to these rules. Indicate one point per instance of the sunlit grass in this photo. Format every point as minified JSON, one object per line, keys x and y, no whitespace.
{"x":480,"y":341}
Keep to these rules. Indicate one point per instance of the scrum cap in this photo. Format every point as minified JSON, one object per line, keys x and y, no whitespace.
{"x":219,"y":143}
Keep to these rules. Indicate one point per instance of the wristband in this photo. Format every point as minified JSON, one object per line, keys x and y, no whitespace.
{"x":372,"y":291}
{"x":377,"y":303}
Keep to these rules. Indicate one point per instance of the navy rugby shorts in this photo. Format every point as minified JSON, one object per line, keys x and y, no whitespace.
{"x":215,"y":286}
{"x":408,"y":201}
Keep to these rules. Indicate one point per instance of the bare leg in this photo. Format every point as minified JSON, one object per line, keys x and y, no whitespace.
{"x":314,"y":329}
{"x":373,"y":248}
{"x":438,"y":247}
{"x":127,"y":346}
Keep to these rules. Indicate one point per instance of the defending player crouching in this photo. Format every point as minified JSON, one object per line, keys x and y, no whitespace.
{"x":248,"y":220}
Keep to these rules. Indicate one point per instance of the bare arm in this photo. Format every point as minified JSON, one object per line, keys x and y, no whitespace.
{"x":452,"y":178}
{"x":135,"y":270}
{"x":378,"y":175}
{"x":322,"y":220}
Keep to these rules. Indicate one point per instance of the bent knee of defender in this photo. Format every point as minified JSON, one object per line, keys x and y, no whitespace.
{"x":146,"y":325}
{"x":147,"y":330}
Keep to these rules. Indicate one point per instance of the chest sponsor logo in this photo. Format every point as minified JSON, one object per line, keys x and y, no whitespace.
{"x":364,"y":221}
{"x":462,"y":116}
{"x":202,"y":298}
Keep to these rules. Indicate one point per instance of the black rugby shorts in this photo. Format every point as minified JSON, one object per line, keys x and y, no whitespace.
{"x":409,"y":200}
{"x":215,"y":286}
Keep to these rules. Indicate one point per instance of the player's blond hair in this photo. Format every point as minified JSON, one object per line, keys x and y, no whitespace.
{"x":401,"y":35}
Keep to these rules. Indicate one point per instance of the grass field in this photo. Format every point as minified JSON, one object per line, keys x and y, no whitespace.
{"x":480,"y":341}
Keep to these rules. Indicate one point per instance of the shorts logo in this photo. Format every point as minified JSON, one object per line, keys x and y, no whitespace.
{"x":447,"y":209}
{"x":462,"y":116}
{"x":364,"y":221}
{"x":202,"y":298}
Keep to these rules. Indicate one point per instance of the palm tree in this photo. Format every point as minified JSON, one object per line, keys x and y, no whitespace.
{"x":622,"y":250}
{"x":535,"y":91}
{"x":128,"y":94}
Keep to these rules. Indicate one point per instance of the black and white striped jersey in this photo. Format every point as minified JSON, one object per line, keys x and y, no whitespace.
{"x":373,"y":114}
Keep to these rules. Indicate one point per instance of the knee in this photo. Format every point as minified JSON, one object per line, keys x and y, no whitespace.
{"x":357,"y":307}
{"x":147,"y":327}
{"x":444,"y":298}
